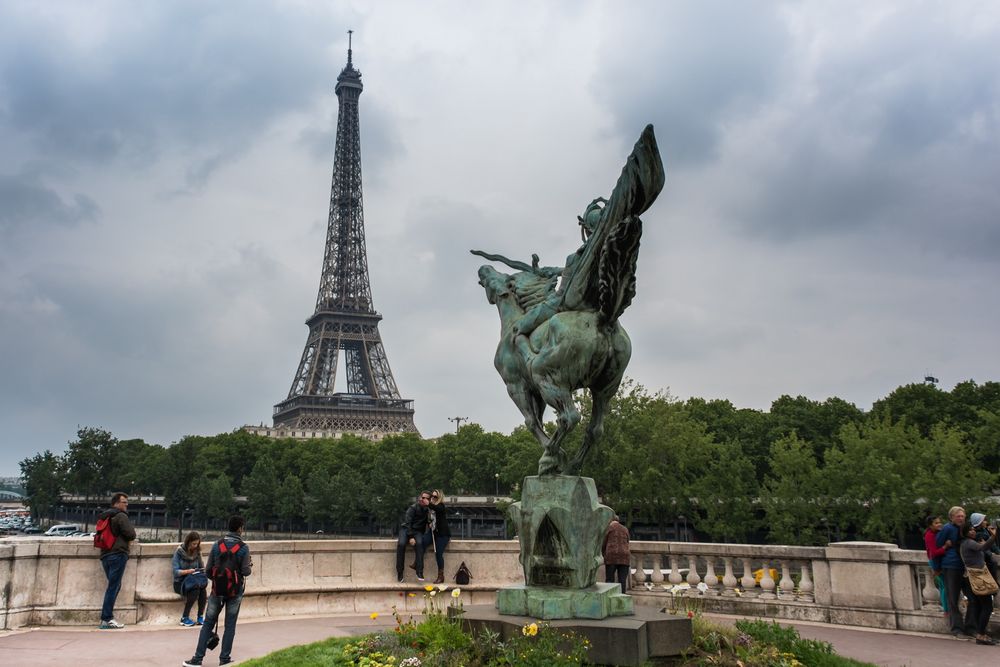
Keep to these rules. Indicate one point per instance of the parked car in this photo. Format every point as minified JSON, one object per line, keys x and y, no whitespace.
{"x":32,"y":530}
{"x":63,"y":529}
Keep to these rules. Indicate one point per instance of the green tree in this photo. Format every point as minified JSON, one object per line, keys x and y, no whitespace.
{"x":346,"y":495}
{"x":262,"y":489}
{"x":212,"y":498}
{"x":920,"y":405}
{"x":792,"y":496}
{"x":815,"y":422}
{"x":318,"y":497}
{"x":290,"y":504}
{"x":180,"y":469}
{"x":726,"y":494}
{"x":88,"y":463}
{"x":727,"y":424}
{"x":42,"y":476}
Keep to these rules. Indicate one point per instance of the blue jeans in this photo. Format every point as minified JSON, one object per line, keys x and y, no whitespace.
{"x":418,"y":552}
{"x":439,"y":543}
{"x":215,"y":605}
{"x":114,"y":569}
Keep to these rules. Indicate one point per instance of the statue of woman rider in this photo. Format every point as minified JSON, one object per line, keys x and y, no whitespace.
{"x":552,"y":301}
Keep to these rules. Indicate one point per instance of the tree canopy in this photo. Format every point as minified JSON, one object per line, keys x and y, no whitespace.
{"x":803,"y":472}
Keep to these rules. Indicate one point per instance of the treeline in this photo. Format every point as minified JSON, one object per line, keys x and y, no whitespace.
{"x":801,"y":473}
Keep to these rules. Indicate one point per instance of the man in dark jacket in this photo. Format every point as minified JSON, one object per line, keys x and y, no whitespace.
{"x":953,"y":570}
{"x":411,"y":532}
{"x":243,"y":566}
{"x":113,"y":560}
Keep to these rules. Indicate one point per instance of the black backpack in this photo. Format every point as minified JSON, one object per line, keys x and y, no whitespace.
{"x":463,"y":575}
{"x":226,"y":577}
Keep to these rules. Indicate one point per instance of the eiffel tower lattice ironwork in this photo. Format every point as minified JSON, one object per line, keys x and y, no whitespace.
{"x":345,"y":319}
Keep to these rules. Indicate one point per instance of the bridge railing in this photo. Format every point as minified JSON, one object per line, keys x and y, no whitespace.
{"x":854,"y":583}
{"x":59,"y":581}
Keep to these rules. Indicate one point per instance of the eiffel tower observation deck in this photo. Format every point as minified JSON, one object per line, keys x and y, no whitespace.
{"x":345,"y":320}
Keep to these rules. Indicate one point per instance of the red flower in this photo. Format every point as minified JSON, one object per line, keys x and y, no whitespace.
{"x":690,"y":614}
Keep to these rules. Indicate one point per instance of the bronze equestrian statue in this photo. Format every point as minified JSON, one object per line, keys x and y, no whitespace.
{"x":559,"y":329}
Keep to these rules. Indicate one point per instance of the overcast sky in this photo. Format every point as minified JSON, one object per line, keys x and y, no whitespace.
{"x":830,"y":225}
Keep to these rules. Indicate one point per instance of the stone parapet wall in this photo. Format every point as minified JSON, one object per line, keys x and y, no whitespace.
{"x":59,"y":581}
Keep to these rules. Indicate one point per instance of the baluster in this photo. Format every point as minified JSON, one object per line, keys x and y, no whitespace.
{"x":806,"y":583}
{"x":692,"y":577}
{"x":711,"y":579}
{"x":657,"y":576}
{"x":675,"y":575}
{"x":635,"y":571}
{"x":786,"y":587}
{"x":929,"y":591}
{"x":747,"y":580}
{"x":729,"y":580}
{"x":767,"y":584}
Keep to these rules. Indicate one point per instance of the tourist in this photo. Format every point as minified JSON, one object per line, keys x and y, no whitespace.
{"x":616,"y":554}
{"x":113,"y":560}
{"x":982,"y":526}
{"x":229,"y":563}
{"x":953,"y":570}
{"x":934,"y":554}
{"x":973,"y":554}
{"x":411,"y":532}
{"x":439,"y":531}
{"x":190,"y":579}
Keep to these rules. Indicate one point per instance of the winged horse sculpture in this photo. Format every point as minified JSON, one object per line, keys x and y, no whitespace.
{"x":559,"y":329}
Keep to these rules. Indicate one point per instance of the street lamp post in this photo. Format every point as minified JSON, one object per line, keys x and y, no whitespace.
{"x":496,"y":478}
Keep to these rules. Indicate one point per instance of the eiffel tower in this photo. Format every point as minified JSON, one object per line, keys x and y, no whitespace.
{"x":345,"y":319}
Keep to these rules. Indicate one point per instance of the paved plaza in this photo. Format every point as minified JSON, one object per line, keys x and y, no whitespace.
{"x":155,"y":646}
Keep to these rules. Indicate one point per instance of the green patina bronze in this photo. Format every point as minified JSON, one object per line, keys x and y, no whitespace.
{"x":559,"y":333}
{"x":561,"y":526}
{"x":559,"y":328}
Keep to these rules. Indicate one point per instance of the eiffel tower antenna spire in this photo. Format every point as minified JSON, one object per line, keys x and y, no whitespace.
{"x":345,"y":319}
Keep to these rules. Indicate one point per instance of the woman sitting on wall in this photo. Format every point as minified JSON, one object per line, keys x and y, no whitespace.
{"x":440,"y":532}
{"x":190,"y":579}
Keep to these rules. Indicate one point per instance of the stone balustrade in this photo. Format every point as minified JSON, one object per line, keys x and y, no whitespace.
{"x":59,"y":581}
{"x":854,"y":583}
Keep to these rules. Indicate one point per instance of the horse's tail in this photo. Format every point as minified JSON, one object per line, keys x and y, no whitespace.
{"x":616,"y":272}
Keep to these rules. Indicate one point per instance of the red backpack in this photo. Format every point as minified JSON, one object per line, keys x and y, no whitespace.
{"x":226,"y":576}
{"x":104,"y":538}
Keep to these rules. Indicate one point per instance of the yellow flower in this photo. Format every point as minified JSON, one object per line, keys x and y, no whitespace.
{"x":428,"y":588}
{"x":455,"y":593}
{"x":411,"y":595}
{"x":442,"y":587}
{"x":373,"y":615}
{"x":530,"y":630}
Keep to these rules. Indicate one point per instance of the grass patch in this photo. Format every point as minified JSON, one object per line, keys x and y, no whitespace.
{"x":326,"y":652}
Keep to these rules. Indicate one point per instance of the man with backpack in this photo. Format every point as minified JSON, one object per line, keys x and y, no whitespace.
{"x":228,"y":565}
{"x":114,"y":537}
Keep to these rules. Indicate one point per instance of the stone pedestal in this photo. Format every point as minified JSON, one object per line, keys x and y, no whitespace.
{"x":623,"y":640}
{"x":595,"y":602}
{"x":561,"y":527}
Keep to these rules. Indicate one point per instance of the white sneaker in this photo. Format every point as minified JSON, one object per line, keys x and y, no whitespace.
{"x":111,"y":625}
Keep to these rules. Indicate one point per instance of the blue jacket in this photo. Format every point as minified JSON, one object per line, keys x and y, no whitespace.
{"x":181,"y":561}
{"x":951,"y":559}
{"x":242,"y":557}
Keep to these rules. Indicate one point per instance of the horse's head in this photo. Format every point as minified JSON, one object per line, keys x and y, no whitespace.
{"x":494,"y":282}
